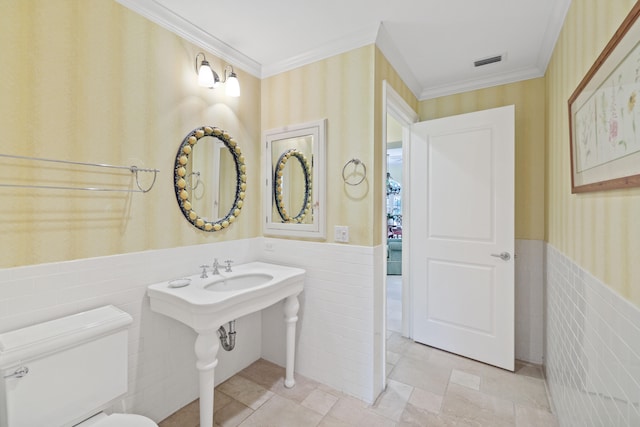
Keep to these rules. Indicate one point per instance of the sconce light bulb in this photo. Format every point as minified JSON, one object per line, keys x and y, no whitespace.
{"x":205,"y":75}
{"x":232,"y":85}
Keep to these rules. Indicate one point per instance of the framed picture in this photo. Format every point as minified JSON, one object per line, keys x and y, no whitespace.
{"x":604,"y":115}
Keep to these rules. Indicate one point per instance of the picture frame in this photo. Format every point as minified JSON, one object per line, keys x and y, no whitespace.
{"x":604,"y":115}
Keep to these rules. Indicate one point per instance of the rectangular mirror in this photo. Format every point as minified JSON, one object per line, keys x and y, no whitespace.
{"x":294,"y":201}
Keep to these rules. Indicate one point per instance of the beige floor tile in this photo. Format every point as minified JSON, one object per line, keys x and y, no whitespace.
{"x":416,"y":417}
{"x":320,"y":401}
{"x":348,"y":409}
{"x":465,"y":379}
{"x":392,"y":401}
{"x":299,"y":392}
{"x":445,"y":359}
{"x":389,"y":367}
{"x":477,"y":408}
{"x":271,"y":377}
{"x":220,"y":400}
{"x":330,"y":390}
{"x":417,"y":351}
{"x":520,"y":389}
{"x":281,"y":412}
{"x":392,"y":357}
{"x":231,"y":415}
{"x":354,"y":412}
{"x":426,"y":400}
{"x":262,"y":372}
{"x":426,"y":387}
{"x":421,"y":374}
{"x":330,"y":421}
{"x":531,"y":417}
{"x":413,"y":417}
{"x":245,"y":391}
{"x":397,"y":343}
{"x":528,"y":369}
{"x":188,"y":416}
{"x":371,"y":419}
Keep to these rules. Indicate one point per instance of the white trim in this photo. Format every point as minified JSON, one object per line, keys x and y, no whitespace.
{"x":317,"y":229}
{"x":352,"y":41}
{"x":555,"y":24}
{"x":373,"y":34}
{"x":395,"y":105}
{"x":169,"y":20}
{"x":475,"y":84}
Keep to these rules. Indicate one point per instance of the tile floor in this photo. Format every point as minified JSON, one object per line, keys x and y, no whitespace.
{"x":425,"y":387}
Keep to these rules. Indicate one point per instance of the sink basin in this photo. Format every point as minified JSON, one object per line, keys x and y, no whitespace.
{"x":239,"y":282}
{"x":207,"y":303}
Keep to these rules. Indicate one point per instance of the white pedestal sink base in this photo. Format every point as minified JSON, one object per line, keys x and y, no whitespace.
{"x":291,"y":306}
{"x":207,"y":346}
{"x":207,"y":303}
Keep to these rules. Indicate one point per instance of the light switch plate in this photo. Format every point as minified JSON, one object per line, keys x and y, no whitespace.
{"x":341,"y":233}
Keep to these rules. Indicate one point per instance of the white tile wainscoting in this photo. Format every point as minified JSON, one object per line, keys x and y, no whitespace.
{"x":336,"y":331}
{"x":592,"y":355}
{"x":592,"y":345}
{"x":340,"y":334}
{"x":162,"y":373}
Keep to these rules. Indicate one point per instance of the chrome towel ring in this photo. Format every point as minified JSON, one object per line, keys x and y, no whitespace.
{"x":356,"y":162}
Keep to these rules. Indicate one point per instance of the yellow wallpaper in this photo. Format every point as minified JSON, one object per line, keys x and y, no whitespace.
{"x":340,"y":89}
{"x":95,"y":82}
{"x":600,"y":231}
{"x":529,"y":100}
{"x":347,"y":90}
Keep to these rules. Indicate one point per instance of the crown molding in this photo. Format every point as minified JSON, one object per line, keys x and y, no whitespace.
{"x":375,"y":33}
{"x":475,"y":84}
{"x":362,"y":37}
{"x":173,"y":22}
{"x":554,"y":27}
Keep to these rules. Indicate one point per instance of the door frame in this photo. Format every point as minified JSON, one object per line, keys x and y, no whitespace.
{"x":394,"y":105}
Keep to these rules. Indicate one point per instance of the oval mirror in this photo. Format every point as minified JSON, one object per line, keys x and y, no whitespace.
{"x":294,"y":201}
{"x":292,"y":187}
{"x":210,"y":178}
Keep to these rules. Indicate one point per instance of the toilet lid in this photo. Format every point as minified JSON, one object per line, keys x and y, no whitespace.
{"x":125,"y":420}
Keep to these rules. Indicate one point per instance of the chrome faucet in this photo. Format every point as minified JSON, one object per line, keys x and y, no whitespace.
{"x":227,"y":269}
{"x":215,"y":266}
{"x":204,"y":272}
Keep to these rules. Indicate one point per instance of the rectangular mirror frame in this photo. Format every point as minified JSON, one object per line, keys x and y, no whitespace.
{"x":316,"y":229}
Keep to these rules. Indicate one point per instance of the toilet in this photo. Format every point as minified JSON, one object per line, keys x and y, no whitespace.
{"x":66,"y":372}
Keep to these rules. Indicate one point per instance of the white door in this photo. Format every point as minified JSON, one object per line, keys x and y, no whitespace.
{"x":462,"y":234}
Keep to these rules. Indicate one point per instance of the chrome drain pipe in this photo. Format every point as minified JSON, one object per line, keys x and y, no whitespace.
{"x":228,"y":340}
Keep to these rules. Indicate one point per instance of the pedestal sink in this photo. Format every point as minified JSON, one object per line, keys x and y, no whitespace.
{"x":205,"y":304}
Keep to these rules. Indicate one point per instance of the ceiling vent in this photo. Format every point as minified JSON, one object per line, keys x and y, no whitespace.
{"x":487,"y":61}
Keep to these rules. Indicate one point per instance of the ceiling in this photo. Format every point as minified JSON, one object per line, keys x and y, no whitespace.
{"x":432,"y":44}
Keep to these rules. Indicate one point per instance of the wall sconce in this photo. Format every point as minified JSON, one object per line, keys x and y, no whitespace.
{"x":207,"y":77}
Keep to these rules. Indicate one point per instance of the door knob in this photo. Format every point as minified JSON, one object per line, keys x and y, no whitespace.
{"x":505,"y":256}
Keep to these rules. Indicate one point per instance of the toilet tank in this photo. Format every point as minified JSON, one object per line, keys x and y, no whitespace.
{"x":77,"y":366}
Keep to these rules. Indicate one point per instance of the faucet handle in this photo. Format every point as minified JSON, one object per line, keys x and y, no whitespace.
{"x":228,"y":267}
{"x":204,"y":271}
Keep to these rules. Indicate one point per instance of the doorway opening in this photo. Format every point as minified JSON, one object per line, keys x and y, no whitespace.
{"x":394,"y":197}
{"x":397,"y":118}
